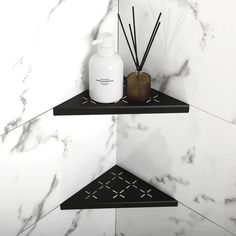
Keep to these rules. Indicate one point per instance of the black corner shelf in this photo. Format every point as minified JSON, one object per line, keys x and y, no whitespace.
{"x":118,"y":188}
{"x":158,"y":103}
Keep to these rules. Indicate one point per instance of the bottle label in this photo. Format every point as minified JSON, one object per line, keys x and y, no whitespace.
{"x":105,"y":81}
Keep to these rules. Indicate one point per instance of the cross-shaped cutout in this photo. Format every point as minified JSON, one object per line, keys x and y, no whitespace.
{"x":154,"y":98}
{"x":123,"y":99}
{"x":117,"y":175}
{"x":145,"y":193}
{"x":91,"y":194}
{"x":131,"y":184}
{"x":104,"y":185}
{"x":124,"y":191}
{"x":118,"y":194}
{"x":88,"y":100}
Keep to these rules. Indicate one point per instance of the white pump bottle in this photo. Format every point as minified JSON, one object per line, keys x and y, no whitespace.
{"x":105,"y":71}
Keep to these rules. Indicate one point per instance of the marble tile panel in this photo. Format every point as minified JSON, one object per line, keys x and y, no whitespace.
{"x":168,"y":221}
{"x":192,"y":57}
{"x":48,"y":159}
{"x":45,"y":46}
{"x":97,"y":222}
{"x":189,"y":156}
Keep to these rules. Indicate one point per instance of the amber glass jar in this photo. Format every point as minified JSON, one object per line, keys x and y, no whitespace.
{"x":138,"y":86}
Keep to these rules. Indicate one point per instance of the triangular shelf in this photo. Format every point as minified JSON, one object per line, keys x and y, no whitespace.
{"x":157,"y":103}
{"x":118,"y":188}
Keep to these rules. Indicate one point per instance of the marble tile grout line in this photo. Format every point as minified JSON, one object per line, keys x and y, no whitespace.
{"x":115,"y":223}
{"x":39,"y":220}
{"x":40,"y":114}
{"x":27,"y":121}
{"x":210,"y":114}
{"x":207,"y":219}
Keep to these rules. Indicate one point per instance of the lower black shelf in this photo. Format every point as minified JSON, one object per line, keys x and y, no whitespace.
{"x":118,"y":188}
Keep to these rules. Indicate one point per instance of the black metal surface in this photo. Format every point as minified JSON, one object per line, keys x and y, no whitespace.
{"x":118,"y":188}
{"x":158,"y":103}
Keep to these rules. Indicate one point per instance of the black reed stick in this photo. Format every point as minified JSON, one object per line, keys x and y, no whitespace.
{"x":139,"y":67}
{"x":122,"y":26}
{"x":156,"y":27}
{"x":132,"y":37}
{"x":135,"y":39}
{"x":149,"y":47}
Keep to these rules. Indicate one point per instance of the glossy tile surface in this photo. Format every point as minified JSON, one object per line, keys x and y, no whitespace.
{"x":45,"y":46}
{"x":46,"y":161}
{"x":189,"y":156}
{"x":80,"y":222}
{"x":179,"y":221}
{"x":192,"y":57}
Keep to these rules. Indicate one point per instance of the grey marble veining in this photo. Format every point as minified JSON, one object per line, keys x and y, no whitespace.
{"x":37,"y":212}
{"x":183,"y":71}
{"x":55,"y":7}
{"x":189,"y":156}
{"x":48,"y":159}
{"x":75,"y":222}
{"x":170,"y":221}
{"x":45,"y":159}
{"x":192,"y":55}
{"x":44,"y":55}
{"x":179,"y":221}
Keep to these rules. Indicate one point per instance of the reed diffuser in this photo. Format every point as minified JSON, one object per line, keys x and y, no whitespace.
{"x":138,"y":83}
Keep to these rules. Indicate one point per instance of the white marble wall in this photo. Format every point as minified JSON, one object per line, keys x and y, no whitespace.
{"x":81,"y":222}
{"x":190,"y":156}
{"x":48,"y":159}
{"x":44,"y":50}
{"x":166,"y":221}
{"x":192,"y":57}
{"x":44,"y":159}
